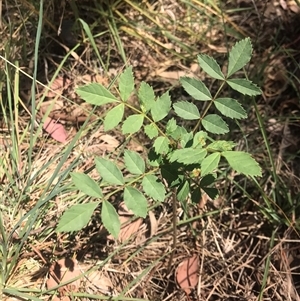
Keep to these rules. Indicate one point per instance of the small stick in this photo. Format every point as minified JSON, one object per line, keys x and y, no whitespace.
{"x":174,"y":220}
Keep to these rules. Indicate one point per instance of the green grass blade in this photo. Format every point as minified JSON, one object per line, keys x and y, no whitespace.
{"x":35,"y":71}
{"x":88,"y":32}
{"x":267,"y":267}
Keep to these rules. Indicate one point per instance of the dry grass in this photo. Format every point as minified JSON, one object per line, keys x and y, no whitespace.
{"x":247,"y":241}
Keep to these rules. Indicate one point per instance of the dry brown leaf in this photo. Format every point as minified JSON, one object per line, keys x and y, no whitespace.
{"x":128,"y":228}
{"x":79,"y":111}
{"x":295,"y":8}
{"x":283,"y":4}
{"x":62,"y":271}
{"x":101,"y":79}
{"x":203,"y":201}
{"x":195,"y":68}
{"x":187,"y":274}
{"x":57,"y":106}
{"x":133,"y":145}
{"x":171,"y":75}
{"x":58,"y":86}
{"x":63,"y":298}
{"x":98,"y":78}
{"x":153,"y":224}
{"x":123,"y":210}
{"x":110,"y":140}
{"x":97,"y":282}
{"x":55,"y":129}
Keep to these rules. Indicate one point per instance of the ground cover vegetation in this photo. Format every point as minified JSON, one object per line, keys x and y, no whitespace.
{"x":149,"y":150}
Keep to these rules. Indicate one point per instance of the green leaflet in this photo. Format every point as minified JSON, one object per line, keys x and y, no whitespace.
{"x":161,"y":107}
{"x":134,"y":162}
{"x":230,"y":107}
{"x":195,"y":88}
{"x":126,"y":83}
{"x":132,"y":124}
{"x":86,"y":184}
{"x":96,"y":94}
{"x":239,"y":56}
{"x":215,"y":124}
{"x":109,"y":171}
{"x":186,"y":110}
{"x":210,"y":66}
{"x":154,"y":188}
{"x":76,"y":217}
{"x":110,"y":219}
{"x":135,"y":201}
{"x":244,"y":86}
{"x":242,"y":162}
{"x":114,"y":117}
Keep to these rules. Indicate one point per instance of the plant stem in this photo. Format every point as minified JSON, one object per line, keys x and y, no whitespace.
{"x":174,"y":220}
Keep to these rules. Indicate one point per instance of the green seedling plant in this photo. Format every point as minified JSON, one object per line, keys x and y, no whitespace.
{"x":183,"y":160}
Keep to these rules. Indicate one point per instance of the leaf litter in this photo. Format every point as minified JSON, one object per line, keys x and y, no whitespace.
{"x":187,"y":274}
{"x":64,"y":270}
{"x":55,"y":129}
{"x":85,"y":275}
